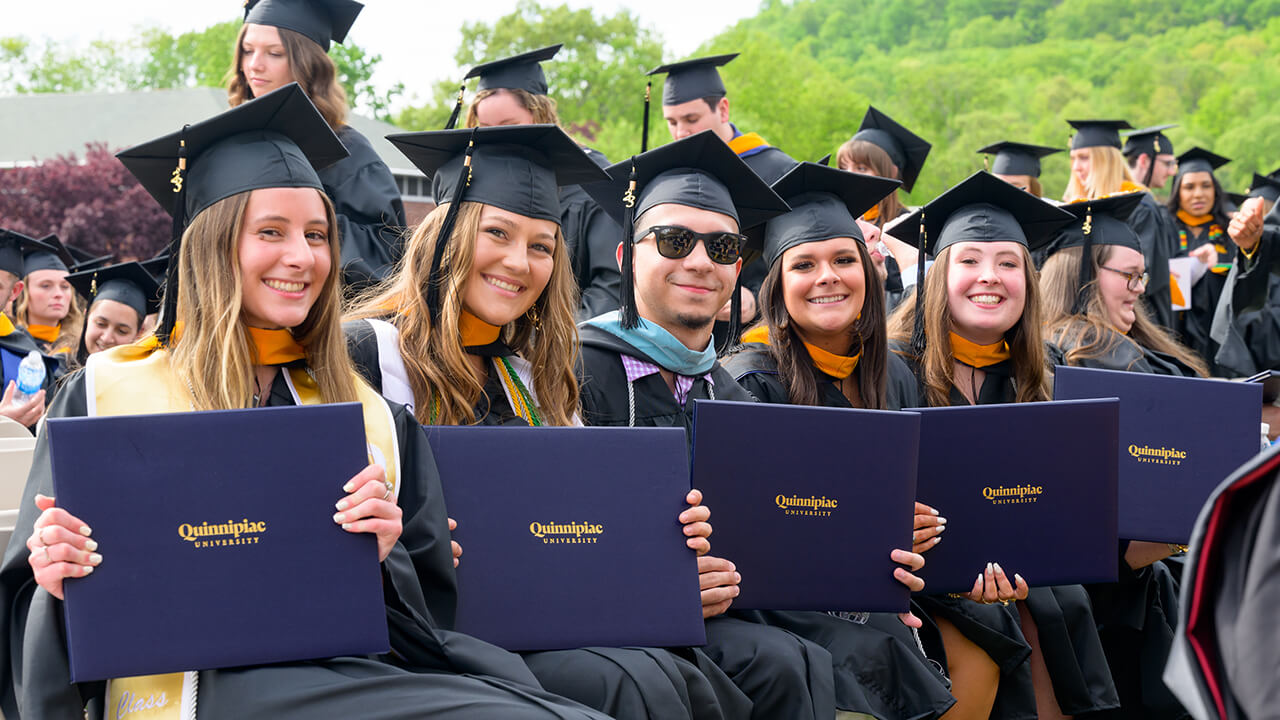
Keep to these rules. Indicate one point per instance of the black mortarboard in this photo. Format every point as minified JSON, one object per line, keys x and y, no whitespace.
{"x":1014,"y":158}
{"x":127,"y":283}
{"x":85,"y":260}
{"x":692,"y":79}
{"x":1200,"y":160}
{"x":1097,"y":222}
{"x":1097,"y":133}
{"x":47,"y":253}
{"x":906,"y":149}
{"x":1148,"y":141}
{"x":699,"y":171}
{"x":12,"y":246}
{"x":276,"y":140}
{"x":981,"y":208}
{"x":518,"y":168}
{"x":158,"y":265}
{"x":320,"y":20}
{"x":825,"y":204}
{"x":1266,"y":186}
{"x":518,"y":72}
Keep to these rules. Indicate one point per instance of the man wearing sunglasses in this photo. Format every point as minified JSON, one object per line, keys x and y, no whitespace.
{"x":688,"y":210}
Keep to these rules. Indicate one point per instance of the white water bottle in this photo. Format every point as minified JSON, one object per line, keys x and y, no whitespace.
{"x":30,"y":377}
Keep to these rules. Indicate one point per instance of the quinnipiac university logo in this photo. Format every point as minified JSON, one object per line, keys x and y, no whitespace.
{"x":572,"y":533}
{"x":811,"y":506}
{"x":1016,"y":495}
{"x":231,"y":532}
{"x":1158,"y":455}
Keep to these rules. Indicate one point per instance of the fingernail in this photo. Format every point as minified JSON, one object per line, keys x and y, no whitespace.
{"x":339,"y":517}
{"x":991,"y":567}
{"x":732,"y":566}
{"x":942,"y":520}
{"x":1018,"y":577}
{"x":979,"y":577}
{"x":937,"y":540}
{"x":85,"y":531}
{"x":91,"y":545}
{"x":737,"y":577}
{"x":941,"y":528}
{"x":87,"y":569}
{"x":95,"y":559}
{"x":342,"y":504}
{"x":935,"y":512}
{"x":736,"y":590}
{"x":350,"y":486}
{"x":346,"y":526}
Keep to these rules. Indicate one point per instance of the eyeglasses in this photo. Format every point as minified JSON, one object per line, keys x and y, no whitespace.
{"x":1133,"y":278}
{"x":676,"y":242}
{"x":1171,"y":165}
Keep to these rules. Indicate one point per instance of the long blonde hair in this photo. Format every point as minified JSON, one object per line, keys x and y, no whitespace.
{"x":311,"y":68}
{"x":1108,"y":173}
{"x":69,"y":328}
{"x":937,"y":366}
{"x":445,"y":386}
{"x":541,"y":107}
{"x":1091,"y":334}
{"x":213,"y":354}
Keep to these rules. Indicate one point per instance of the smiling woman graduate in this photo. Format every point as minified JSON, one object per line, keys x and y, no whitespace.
{"x":973,"y":337}
{"x":250,"y":319}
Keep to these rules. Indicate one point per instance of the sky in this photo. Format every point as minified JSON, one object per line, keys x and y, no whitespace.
{"x":416,"y":38}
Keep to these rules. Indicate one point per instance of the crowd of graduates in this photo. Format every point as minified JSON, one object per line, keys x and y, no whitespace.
{"x":552,"y":288}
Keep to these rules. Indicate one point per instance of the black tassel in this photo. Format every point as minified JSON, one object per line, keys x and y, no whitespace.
{"x":169,"y":303}
{"x":644,"y":133}
{"x":1086,"y":262}
{"x":436,"y":277}
{"x":917,"y":330}
{"x":457,"y":108}
{"x":735,"y":315}
{"x":630,"y":315}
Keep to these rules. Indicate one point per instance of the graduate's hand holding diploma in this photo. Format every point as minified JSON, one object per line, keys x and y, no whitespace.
{"x":717,"y":578}
{"x":1246,"y":226}
{"x":370,"y":508}
{"x":60,"y":547}
{"x":993,"y":585}
{"x":457,"y":549}
{"x":927,"y":531}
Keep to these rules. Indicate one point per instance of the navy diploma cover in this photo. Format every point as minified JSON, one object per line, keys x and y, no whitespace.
{"x":571,"y":536}
{"x":1031,"y":486}
{"x":1179,"y":439}
{"x":218,"y":540}
{"x":811,"y":514}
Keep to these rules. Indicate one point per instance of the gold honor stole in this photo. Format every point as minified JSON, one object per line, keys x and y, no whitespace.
{"x":136,"y":380}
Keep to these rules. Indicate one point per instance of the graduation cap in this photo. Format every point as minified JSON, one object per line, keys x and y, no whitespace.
{"x":906,"y":149}
{"x":320,"y":20}
{"x":517,"y":72}
{"x":1014,"y":158}
{"x":982,"y":208}
{"x":85,"y":260}
{"x":276,"y":140}
{"x":694,"y":79}
{"x":1198,"y":159}
{"x":825,"y":203}
{"x":1097,"y":133}
{"x":12,"y":246}
{"x":518,"y":168}
{"x":158,"y":265}
{"x":699,"y":171}
{"x":47,"y":253}
{"x":1148,"y":141}
{"x":128,"y":283}
{"x":1102,"y":221}
{"x":1266,"y":186}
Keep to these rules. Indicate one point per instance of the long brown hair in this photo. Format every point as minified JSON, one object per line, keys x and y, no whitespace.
{"x":1091,"y":334}
{"x":937,"y":366}
{"x":445,"y":386}
{"x":541,"y":107}
{"x":213,"y":354}
{"x":311,"y":68}
{"x":868,"y":335}
{"x":862,"y":152}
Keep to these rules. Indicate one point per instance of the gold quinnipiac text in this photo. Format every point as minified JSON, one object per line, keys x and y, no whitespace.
{"x":811,"y":506}
{"x":572,"y":533}
{"x":231,"y":532}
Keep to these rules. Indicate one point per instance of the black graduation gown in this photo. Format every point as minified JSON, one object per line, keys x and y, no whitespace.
{"x":1225,"y":656}
{"x":1193,"y":325}
{"x":880,"y":669}
{"x":592,"y":238}
{"x":625,"y":683}
{"x":430,"y":670}
{"x":1248,"y":321}
{"x":784,"y":675}
{"x":1069,"y":640}
{"x":1158,"y":239}
{"x":1136,"y":614}
{"x":370,"y":212}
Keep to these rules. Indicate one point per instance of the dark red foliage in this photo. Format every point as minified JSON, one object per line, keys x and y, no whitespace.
{"x":95,"y":205}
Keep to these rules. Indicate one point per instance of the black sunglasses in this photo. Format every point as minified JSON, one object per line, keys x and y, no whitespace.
{"x":676,"y":242}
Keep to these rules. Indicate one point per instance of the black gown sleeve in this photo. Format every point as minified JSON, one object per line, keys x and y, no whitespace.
{"x":369,"y":209}
{"x":592,"y":237}
{"x":1154,"y":238}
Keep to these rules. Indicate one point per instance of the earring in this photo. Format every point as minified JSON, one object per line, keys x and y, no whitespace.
{"x":535,"y":318}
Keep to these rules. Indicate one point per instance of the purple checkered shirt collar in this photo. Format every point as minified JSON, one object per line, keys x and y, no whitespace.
{"x":637,"y":368}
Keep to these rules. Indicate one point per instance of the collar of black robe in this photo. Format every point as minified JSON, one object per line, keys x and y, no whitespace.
{"x":322,"y":21}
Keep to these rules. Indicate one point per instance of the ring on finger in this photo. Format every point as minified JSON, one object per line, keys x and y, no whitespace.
{"x":386,"y":494}
{"x":40,"y":536}
{"x":48,"y":560}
